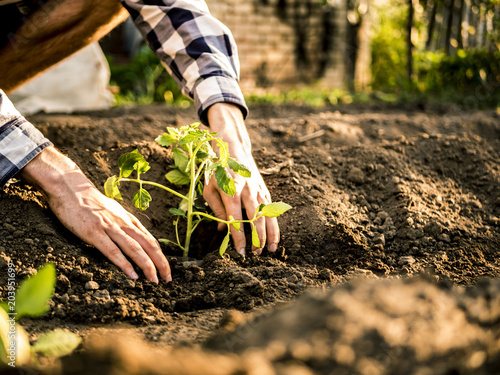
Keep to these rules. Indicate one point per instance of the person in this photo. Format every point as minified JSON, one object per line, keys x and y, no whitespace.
{"x":200,"y":54}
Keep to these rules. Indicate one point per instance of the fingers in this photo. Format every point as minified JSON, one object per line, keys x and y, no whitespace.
{"x":134,"y":250}
{"x":251,"y":203}
{"x":212,"y":197}
{"x":150,"y":246}
{"x":233,"y":208}
{"x":114,"y":254}
{"x":273,"y":233}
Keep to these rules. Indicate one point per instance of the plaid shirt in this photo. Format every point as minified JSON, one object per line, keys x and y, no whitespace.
{"x":197,"y":50}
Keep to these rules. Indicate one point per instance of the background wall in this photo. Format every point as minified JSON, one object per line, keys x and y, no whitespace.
{"x":283,"y":43}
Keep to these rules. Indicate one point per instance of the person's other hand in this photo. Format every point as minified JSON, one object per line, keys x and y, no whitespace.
{"x":95,"y":218}
{"x":227,"y":120}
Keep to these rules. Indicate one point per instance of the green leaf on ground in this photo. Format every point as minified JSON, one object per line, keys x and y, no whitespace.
{"x":178,"y":177}
{"x":34,"y":293}
{"x":224,"y":181}
{"x":57,"y":343}
{"x":111,"y":188}
{"x":141,"y":199}
{"x":275,"y":209}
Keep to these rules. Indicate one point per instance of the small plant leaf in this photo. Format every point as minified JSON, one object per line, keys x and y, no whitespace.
{"x":275,"y":209}
{"x":141,"y":199}
{"x":224,"y":181}
{"x":4,"y":306}
{"x":261,"y":206}
{"x":190,"y":137}
{"x":238,"y":168}
{"x":178,"y":177}
{"x":111,"y":188}
{"x":223,"y":153}
{"x":177,"y":212}
{"x":166,"y":242}
{"x":129,"y":162}
{"x":166,"y":140}
{"x":19,"y":341}
{"x":236,"y":224}
{"x":255,"y":237}
{"x":142,"y":166}
{"x":181,"y":159}
{"x":34,"y":293}
{"x":223,"y":246}
{"x":57,"y":343}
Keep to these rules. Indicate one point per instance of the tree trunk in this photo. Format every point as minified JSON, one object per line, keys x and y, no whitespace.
{"x":409,"y":51}
{"x":432,"y":24}
{"x":459,"y":29}
{"x":449,"y":26}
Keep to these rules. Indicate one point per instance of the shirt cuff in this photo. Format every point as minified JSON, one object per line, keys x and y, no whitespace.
{"x":20,"y":142}
{"x":217,"y":89}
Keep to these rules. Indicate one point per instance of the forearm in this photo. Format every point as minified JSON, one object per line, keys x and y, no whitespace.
{"x":227,"y":120}
{"x":20,"y":141}
{"x":54,"y":173}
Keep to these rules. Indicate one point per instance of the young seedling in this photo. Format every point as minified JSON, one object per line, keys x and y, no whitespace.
{"x":195,"y":161}
{"x":31,"y":299}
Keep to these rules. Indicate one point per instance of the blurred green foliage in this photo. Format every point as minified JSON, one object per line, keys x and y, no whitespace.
{"x":463,"y":76}
{"x":144,"y":80}
{"x":389,"y":48}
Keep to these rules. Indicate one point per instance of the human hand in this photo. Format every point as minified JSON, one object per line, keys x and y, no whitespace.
{"x":95,"y":218}
{"x":227,"y":120}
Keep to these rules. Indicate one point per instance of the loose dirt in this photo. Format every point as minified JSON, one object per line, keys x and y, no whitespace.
{"x":381,"y":196}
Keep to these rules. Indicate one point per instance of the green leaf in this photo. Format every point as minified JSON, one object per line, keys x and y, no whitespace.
{"x":238,"y":168}
{"x":173,"y":131}
{"x":178,"y":177}
{"x":141,"y":199}
{"x":132,"y":161}
{"x":181,"y":159}
{"x":223,"y":246}
{"x":4,"y":306}
{"x":111,"y":188}
{"x":224,"y":181}
{"x":275,"y":209}
{"x":236,"y":224}
{"x":255,"y":237}
{"x":142,"y":166}
{"x":261,"y":206}
{"x":190,"y":137}
{"x":57,"y":343}
{"x":201,"y":155}
{"x":34,"y":293}
{"x":166,"y":140}
{"x":167,"y":242}
{"x":223,"y":153}
{"x":177,"y":212}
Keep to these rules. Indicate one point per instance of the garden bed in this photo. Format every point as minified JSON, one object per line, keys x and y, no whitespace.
{"x":377,"y":193}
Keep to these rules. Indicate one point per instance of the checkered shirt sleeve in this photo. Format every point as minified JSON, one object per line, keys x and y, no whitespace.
{"x":20,"y":141}
{"x":197,"y":50}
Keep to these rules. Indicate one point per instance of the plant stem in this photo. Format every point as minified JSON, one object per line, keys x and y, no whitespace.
{"x":155,"y":184}
{"x":190,"y":203}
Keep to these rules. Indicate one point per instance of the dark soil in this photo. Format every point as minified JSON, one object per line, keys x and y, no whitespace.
{"x":377,"y":193}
